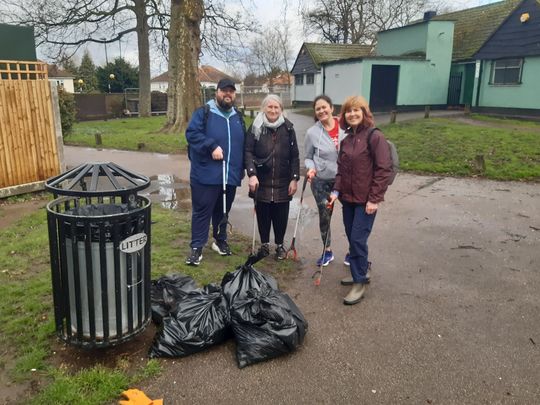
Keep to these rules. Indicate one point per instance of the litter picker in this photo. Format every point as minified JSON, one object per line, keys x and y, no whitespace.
{"x":225,"y":219}
{"x":317,"y":276}
{"x":292,"y":253}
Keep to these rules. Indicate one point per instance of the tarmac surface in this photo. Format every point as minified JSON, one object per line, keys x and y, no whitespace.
{"x":452,"y":315}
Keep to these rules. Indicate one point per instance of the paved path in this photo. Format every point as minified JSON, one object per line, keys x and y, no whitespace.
{"x":452,"y":315}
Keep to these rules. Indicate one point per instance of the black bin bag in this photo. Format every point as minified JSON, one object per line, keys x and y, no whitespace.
{"x":201,"y":320}
{"x":244,"y":278}
{"x":266,"y":324}
{"x":166,"y":292}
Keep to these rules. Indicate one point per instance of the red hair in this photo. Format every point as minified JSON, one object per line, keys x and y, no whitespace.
{"x":356,"y":102}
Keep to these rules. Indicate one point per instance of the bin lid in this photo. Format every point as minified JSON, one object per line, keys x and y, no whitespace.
{"x":97,"y":179}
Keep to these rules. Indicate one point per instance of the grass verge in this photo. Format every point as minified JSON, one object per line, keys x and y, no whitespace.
{"x":27,"y":336}
{"x":449,"y":147}
{"x":129,"y":134}
{"x":506,"y":121}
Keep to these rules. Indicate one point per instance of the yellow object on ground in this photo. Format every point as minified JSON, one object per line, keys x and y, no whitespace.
{"x":137,"y":397}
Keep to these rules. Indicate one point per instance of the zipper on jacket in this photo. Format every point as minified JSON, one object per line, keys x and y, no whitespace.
{"x":351,"y":171}
{"x":229,"y":149}
{"x":273,"y":162}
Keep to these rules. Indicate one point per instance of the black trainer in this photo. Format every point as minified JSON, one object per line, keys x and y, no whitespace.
{"x":264,"y":250}
{"x":281,"y":253}
{"x":222,"y":247}
{"x":195,"y":257}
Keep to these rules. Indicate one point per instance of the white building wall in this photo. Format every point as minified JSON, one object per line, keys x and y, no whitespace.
{"x":65,"y":82}
{"x":307,"y":92}
{"x":159,"y":86}
{"x":343,"y":80}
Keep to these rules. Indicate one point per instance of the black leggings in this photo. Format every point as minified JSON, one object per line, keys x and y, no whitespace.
{"x":275,"y":215}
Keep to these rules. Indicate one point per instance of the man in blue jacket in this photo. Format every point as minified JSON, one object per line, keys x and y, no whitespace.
{"x":215,"y":133}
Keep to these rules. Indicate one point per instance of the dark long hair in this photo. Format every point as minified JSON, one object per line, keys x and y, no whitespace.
{"x":321,"y":97}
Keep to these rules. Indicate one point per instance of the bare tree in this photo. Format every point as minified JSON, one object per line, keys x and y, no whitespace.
{"x":194,"y":25}
{"x":63,"y":26}
{"x":270,"y":52}
{"x":357,"y":21}
{"x":184,"y":94}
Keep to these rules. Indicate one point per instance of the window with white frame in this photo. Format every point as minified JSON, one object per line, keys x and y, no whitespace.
{"x":310,"y":78}
{"x":298,"y":80}
{"x":506,"y":71}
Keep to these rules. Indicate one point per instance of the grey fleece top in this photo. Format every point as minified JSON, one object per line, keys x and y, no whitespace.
{"x":320,"y":152}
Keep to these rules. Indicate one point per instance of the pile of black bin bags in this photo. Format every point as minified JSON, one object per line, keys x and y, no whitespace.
{"x":265,"y":322}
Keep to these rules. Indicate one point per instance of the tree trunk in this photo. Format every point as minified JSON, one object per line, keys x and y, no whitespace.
{"x":184,"y":93}
{"x":144,"y":58}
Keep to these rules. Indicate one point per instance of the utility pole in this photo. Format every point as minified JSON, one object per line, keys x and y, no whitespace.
{"x":106,"y":57}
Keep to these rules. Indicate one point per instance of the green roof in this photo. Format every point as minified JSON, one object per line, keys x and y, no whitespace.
{"x":474,"y":26}
{"x":322,"y":53}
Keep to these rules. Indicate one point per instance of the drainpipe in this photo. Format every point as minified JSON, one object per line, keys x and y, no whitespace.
{"x":323,"y":79}
{"x":479,"y":83}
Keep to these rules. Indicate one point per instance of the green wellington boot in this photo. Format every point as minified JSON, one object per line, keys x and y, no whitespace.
{"x":355,"y":295}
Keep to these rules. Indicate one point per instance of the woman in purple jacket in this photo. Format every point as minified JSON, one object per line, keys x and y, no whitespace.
{"x":362,"y":179}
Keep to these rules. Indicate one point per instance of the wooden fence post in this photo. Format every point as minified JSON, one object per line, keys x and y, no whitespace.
{"x":426,"y":111}
{"x":393,"y":116}
{"x":98,"y":138}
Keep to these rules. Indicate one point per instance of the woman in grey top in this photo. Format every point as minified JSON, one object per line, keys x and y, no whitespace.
{"x":321,"y":151}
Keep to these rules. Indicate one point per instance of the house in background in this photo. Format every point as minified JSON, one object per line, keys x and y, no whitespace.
{"x":508,"y":64}
{"x":279,"y":84}
{"x":309,"y":67}
{"x":208,"y":77}
{"x":62,"y":78}
{"x":487,"y":57}
{"x":409,"y":67}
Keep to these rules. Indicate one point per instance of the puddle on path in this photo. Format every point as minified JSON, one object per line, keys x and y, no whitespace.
{"x":173,"y":193}
{"x":169,"y":191}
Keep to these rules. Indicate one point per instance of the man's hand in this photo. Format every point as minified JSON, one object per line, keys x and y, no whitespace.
{"x":292,"y":187}
{"x":310,"y":174}
{"x":217,"y":154}
{"x":253,"y":183}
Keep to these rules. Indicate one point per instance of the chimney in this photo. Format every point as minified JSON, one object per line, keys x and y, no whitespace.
{"x":428,"y":15}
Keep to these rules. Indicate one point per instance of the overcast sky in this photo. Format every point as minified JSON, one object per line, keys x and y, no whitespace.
{"x":265,"y":11}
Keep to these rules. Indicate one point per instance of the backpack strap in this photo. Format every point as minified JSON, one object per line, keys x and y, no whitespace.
{"x":369,"y":136}
{"x":206,"y":108}
{"x":242,"y":122}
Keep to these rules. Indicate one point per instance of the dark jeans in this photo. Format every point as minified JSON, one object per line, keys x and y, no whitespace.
{"x":207,"y":203}
{"x":275,"y":215}
{"x":358,"y":227}
{"x":321,"y":190}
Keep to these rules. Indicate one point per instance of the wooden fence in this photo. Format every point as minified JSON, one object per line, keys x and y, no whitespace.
{"x":30,"y":133}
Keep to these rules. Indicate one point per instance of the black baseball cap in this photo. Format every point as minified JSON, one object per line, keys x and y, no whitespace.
{"x":223,"y":83}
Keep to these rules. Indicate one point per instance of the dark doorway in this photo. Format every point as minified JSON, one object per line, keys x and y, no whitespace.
{"x":384,"y":85}
{"x":469,"y":84}
{"x":454,"y":88}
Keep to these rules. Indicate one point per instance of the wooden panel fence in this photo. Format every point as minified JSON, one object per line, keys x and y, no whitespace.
{"x":29,"y":144}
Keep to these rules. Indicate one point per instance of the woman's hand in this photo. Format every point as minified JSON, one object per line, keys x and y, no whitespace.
{"x":292,"y":187}
{"x":371,"y":208}
{"x":331,"y":199}
{"x":310,"y":174}
{"x":253,"y":183}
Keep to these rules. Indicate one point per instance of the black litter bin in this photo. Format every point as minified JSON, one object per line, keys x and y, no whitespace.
{"x":99,"y":237}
